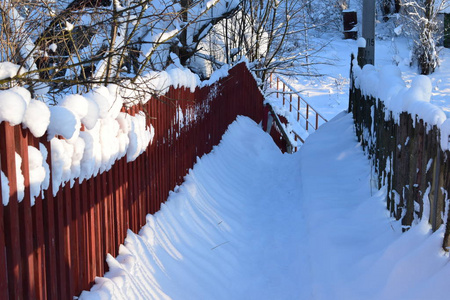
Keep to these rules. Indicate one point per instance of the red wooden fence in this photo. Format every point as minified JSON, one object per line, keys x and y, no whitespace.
{"x":54,"y":249}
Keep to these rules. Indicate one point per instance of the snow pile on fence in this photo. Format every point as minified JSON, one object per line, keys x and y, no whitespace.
{"x":174,"y":76}
{"x":88,"y":132}
{"x":388,"y":85}
{"x":77,"y":152}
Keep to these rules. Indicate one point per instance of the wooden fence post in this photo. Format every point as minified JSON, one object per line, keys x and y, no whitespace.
{"x":11,"y":213}
{"x":26,"y":226}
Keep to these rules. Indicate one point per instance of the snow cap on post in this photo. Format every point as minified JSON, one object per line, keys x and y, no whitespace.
{"x":361,"y":42}
{"x":63,"y":122}
{"x":12,"y":107}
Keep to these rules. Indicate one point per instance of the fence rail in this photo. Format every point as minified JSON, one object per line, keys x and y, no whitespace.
{"x":55,"y":248}
{"x":299,"y":105}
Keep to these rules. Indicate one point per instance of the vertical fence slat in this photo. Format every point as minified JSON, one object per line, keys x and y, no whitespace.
{"x":76,"y":238}
{"x":25,"y":216}
{"x":68,"y":255}
{"x":39,"y":238}
{"x":93,"y":232}
{"x":100,"y":225}
{"x":11,"y":212}
{"x":84,"y":234}
{"x":50,"y":233}
{"x":59,"y":216}
{"x":118,"y":208}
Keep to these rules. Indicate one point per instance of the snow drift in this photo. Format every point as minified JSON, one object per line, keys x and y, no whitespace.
{"x":252,"y":223}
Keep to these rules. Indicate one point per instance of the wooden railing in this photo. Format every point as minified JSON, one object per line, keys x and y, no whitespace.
{"x":55,"y":248}
{"x":274,"y":125}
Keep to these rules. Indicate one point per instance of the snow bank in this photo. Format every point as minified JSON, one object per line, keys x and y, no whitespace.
{"x":187,"y":249}
{"x":233,"y":230}
{"x":387,"y":85}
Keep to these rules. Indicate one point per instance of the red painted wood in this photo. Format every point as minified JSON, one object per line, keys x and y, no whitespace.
{"x":26,"y":220}
{"x":4,"y":294}
{"x":140,"y":198}
{"x":66,"y":203}
{"x":39,"y":240}
{"x":126,"y":197}
{"x":59,"y":216}
{"x":99,"y":225}
{"x":112,"y":213}
{"x":11,"y":213}
{"x":92,"y":233}
{"x":83,"y":233}
{"x":106,"y":211}
{"x":113,"y":185}
{"x":76,"y":241}
{"x":123,"y":199}
{"x":50,"y":233}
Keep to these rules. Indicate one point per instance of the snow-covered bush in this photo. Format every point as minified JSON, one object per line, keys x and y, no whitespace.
{"x":421,"y":18}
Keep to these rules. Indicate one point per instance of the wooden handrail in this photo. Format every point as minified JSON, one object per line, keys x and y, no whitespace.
{"x":294,"y":91}
{"x":287,"y":89}
{"x":284,"y":134}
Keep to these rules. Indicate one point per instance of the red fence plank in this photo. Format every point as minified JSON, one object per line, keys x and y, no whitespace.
{"x":77,"y":242}
{"x":26,"y":220}
{"x":11,"y":212}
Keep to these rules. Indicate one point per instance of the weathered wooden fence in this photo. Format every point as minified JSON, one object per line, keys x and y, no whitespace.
{"x":54,"y":249}
{"x":406,"y":154}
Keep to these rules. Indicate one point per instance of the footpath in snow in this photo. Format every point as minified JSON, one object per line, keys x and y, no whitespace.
{"x":252,"y":223}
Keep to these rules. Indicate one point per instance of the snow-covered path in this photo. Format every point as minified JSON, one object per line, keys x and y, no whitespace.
{"x":252,"y":223}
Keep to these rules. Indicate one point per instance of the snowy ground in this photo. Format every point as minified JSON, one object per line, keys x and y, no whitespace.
{"x":252,"y":223}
